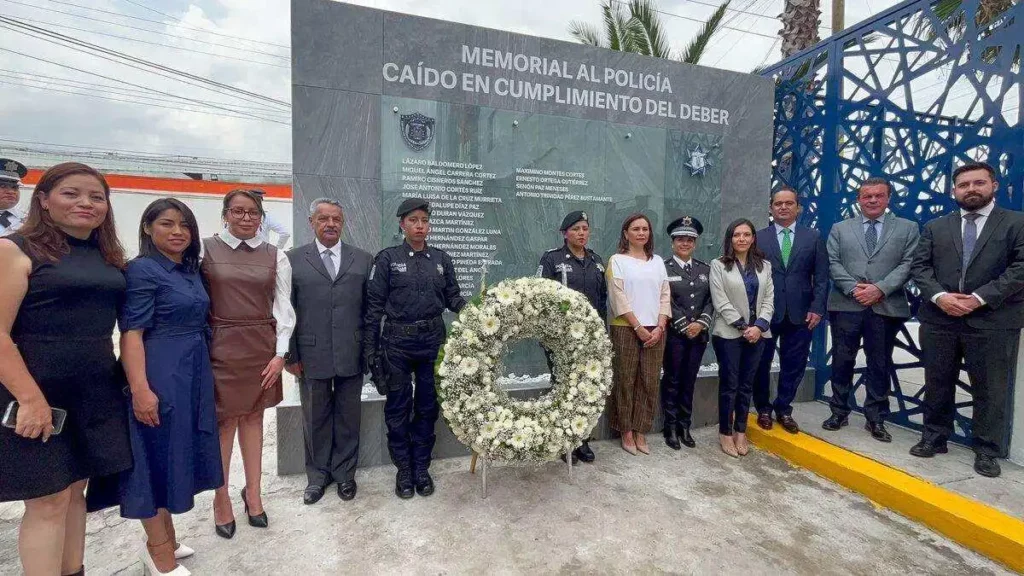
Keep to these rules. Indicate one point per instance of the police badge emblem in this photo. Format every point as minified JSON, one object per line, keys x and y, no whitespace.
{"x":703,"y":277}
{"x":440,"y":269}
{"x":699,"y":161}
{"x":417,"y":130}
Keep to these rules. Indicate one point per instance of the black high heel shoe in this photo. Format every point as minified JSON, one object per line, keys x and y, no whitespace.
{"x":257,"y":521}
{"x":225,"y":530}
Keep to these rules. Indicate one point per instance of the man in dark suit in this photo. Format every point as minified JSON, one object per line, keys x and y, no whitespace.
{"x":328,"y":286}
{"x":800,"y":274}
{"x":970,"y":269}
{"x":869,"y":260}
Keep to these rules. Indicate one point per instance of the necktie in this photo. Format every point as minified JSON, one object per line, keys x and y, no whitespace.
{"x":787,"y":246}
{"x":5,"y":219}
{"x":970,"y":237}
{"x":329,"y":264}
{"x":686,"y":268}
{"x":871,"y":236}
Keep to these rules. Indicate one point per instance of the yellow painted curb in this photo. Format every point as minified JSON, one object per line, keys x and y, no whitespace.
{"x":969,"y":522}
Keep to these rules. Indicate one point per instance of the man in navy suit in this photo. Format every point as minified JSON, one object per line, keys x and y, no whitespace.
{"x":800,"y":274}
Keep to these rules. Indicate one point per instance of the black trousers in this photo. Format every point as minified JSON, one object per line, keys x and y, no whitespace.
{"x":680,"y":366}
{"x":989,"y":355}
{"x":794,"y":342}
{"x":879,"y":335}
{"x":410,"y":413}
{"x":330,"y":427}
{"x":737,"y":366}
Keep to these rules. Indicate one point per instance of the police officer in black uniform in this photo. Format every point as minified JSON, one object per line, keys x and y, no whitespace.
{"x":410,"y":286}
{"x":688,"y":337}
{"x":579,"y":268}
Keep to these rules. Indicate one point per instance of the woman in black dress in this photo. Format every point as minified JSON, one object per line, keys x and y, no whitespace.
{"x":60,"y":293}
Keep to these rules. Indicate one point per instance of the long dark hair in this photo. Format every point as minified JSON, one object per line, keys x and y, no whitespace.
{"x":45,"y":240}
{"x":754,"y":255}
{"x":190,"y":258}
{"x":624,"y":243}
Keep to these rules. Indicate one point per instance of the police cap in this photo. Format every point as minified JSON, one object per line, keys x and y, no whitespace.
{"x":685,"y":226}
{"x":411,"y":204}
{"x":572,"y":218}
{"x":12,"y":170}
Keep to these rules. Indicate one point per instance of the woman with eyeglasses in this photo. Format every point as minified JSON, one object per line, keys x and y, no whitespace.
{"x":252,"y":319}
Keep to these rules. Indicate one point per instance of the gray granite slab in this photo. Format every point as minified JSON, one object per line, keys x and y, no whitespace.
{"x":337,"y":45}
{"x":337,"y":133}
{"x":359,"y":198}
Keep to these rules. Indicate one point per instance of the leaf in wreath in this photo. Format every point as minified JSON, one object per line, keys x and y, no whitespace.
{"x":563,"y":306}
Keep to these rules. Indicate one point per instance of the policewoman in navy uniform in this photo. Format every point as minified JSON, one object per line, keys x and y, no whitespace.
{"x":579,"y":268}
{"x":692,"y":313}
{"x":410,"y":286}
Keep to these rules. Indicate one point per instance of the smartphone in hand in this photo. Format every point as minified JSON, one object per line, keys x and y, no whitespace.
{"x":10,"y":419}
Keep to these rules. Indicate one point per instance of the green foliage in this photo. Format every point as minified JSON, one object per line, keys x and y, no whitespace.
{"x":639,"y":29}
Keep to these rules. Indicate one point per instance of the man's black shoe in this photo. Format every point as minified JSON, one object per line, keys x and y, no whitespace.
{"x":584,"y":453}
{"x":878,"y":431}
{"x":835,"y":422}
{"x":764,"y":420}
{"x":347,"y":490}
{"x":403,"y":484}
{"x":684,"y":435}
{"x":312,"y":494}
{"x":424,"y":483}
{"x":672,"y":438}
{"x":927,"y":449}
{"x":986,"y":465}
{"x":788,"y":424}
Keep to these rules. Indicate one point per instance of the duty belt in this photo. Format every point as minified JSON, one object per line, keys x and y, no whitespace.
{"x":414,"y":328}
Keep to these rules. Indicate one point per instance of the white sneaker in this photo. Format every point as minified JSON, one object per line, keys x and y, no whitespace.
{"x":183,"y":552}
{"x":149,"y":568}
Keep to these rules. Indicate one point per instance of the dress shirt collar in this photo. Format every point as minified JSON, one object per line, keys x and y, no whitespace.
{"x":681,"y":263}
{"x":335,"y":250}
{"x":165,"y":262}
{"x":234,"y":242}
{"x":881,"y":219}
{"x":779,"y":228}
{"x":983,"y":212}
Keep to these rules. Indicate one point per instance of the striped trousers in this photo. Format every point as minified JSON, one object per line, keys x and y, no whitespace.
{"x":635,"y":375}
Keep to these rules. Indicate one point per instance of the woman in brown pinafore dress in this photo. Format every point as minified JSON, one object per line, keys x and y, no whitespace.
{"x":251,"y":317}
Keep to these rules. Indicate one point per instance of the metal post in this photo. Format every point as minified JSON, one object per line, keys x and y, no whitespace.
{"x":838,"y":16}
{"x":568,"y":460}
{"x":483,"y":475}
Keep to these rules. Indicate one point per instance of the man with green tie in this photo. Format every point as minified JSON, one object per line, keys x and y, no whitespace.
{"x":800,"y":275}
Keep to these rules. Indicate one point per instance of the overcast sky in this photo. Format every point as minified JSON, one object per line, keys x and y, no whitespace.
{"x":244,"y":44}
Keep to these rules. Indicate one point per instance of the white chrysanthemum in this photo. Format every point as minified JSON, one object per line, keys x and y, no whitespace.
{"x":489,"y":325}
{"x":505,"y":295}
{"x":469,"y":366}
{"x":442,"y":370}
{"x":577,"y":331}
{"x":579,"y":425}
{"x":593,"y":369}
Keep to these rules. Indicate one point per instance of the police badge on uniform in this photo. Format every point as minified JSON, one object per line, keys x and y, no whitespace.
{"x":703,"y":277}
{"x":417,"y":130}
{"x":600,"y":267}
{"x":440,"y":269}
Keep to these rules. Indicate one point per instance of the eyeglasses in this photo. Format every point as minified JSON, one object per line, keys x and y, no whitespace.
{"x":241,"y":213}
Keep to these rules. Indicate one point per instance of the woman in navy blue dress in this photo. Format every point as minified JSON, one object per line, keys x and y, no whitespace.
{"x":173,"y":423}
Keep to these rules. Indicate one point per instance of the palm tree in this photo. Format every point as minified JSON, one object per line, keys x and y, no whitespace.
{"x":638,"y":29}
{"x":800,"y":20}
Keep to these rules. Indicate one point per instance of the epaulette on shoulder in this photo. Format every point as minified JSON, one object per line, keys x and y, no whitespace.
{"x":556,"y":249}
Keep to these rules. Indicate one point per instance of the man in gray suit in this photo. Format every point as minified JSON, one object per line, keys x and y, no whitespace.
{"x":869,"y":260}
{"x":328,"y":287}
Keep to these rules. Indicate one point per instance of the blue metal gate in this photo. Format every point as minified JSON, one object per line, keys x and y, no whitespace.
{"x":909,"y":94}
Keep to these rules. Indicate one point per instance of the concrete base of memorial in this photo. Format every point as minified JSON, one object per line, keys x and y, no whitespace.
{"x":373,"y":443}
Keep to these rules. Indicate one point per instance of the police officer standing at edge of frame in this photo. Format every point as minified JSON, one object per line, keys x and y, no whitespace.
{"x":579,"y":268}
{"x":11,"y":173}
{"x":692,"y":312}
{"x":410,"y":286}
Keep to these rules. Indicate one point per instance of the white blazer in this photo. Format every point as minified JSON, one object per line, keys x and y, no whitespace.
{"x":729,"y":296}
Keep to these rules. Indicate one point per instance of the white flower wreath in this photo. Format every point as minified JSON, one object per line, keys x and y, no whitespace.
{"x":483,"y":416}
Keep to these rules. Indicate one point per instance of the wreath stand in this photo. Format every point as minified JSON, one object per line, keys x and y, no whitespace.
{"x":483,"y":468}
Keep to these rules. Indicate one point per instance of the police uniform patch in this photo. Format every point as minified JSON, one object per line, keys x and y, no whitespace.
{"x":440,"y":269}
{"x":399,"y":267}
{"x":540,"y":270}
{"x":600,"y":267}
{"x":373,"y":272}
{"x":703,"y":277}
